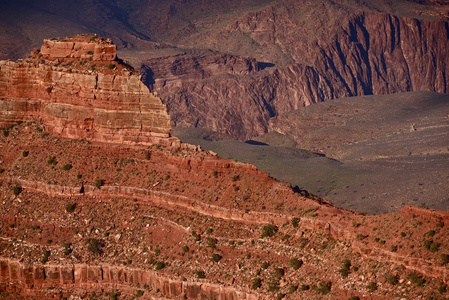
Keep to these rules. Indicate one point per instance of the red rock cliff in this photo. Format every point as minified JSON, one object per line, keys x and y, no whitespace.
{"x":77,"y":89}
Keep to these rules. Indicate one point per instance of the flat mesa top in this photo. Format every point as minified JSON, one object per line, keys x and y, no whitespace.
{"x":83,"y":38}
{"x":79,"y":46}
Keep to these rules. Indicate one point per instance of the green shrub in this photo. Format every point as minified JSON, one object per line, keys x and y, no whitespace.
{"x":2,"y":170}
{"x":292,"y":288}
{"x":98,"y":183}
{"x":200,"y":274}
{"x":66,"y":167}
{"x":354,"y":298}
{"x":403,"y":234}
{"x":235,"y":177}
{"x":442,"y":289}
{"x":280,"y":296}
{"x":52,"y":161}
{"x":417,"y":279}
{"x":111,"y":66}
{"x":70,"y":207}
{"x":215,"y":174}
{"x":256,"y":283}
{"x":431,"y":245}
{"x":431,"y":233}
{"x":46,"y":256}
{"x":113,"y":295}
{"x":304,"y":287}
{"x":90,"y":52}
{"x":372,"y":286}
{"x":356,"y":224}
{"x":346,"y":268}
{"x":445,"y":258}
{"x":185,"y":249}
{"x":95,"y":246}
{"x":216,"y":257}
{"x":212,"y":242}
{"x":295,"y":263}
{"x":269,"y":230}
{"x":17,"y":190}
{"x":324,"y":287}
{"x":140,"y":293}
{"x":391,"y":279}
{"x":196,"y":236}
{"x":25,"y":153}
{"x":394,"y":248}
{"x":295,"y":222}
{"x":344,"y":272}
{"x":67,"y":248}
{"x":160,"y":265}
{"x":279,"y":273}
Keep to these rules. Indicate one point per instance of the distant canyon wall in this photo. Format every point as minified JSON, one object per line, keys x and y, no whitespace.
{"x":371,"y":53}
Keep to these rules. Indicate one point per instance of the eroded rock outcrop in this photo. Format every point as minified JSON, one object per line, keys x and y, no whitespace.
{"x":76,"y":88}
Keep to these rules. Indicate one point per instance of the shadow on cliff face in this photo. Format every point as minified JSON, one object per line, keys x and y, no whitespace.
{"x":147,"y":76}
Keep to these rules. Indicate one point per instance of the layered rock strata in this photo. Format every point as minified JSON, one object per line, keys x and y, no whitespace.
{"x":33,"y":280}
{"x":77,"y":89}
{"x":337,"y":52}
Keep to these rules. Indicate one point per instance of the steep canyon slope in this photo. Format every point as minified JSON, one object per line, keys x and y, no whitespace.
{"x":108,"y":218}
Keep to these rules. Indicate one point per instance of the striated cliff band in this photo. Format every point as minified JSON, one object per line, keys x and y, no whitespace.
{"x":76,"y":88}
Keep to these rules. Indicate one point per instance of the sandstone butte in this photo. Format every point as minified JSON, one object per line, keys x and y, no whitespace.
{"x":110,"y":204}
{"x":76,"y":88}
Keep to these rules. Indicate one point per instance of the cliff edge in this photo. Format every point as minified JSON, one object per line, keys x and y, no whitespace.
{"x":77,"y":88}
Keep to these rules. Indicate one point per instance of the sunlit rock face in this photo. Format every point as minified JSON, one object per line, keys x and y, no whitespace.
{"x":77,"y":88}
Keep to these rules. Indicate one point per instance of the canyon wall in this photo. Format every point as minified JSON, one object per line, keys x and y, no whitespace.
{"x":75,"y":88}
{"x":361,"y":54}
